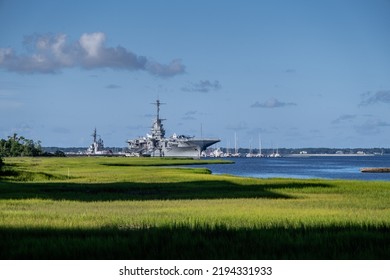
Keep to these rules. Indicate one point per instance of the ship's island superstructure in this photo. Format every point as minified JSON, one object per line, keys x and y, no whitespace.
{"x":156,"y":145}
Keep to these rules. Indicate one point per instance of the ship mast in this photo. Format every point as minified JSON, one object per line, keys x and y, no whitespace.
{"x":158,"y":103}
{"x":157,"y":129}
{"x":94,"y":135}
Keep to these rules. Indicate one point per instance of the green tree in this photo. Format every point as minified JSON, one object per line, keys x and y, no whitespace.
{"x":17,"y":146}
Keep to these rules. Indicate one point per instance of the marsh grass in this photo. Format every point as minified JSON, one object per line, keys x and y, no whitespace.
{"x":125,"y":208}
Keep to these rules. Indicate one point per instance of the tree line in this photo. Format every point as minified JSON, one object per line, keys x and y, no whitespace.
{"x":19,"y":146}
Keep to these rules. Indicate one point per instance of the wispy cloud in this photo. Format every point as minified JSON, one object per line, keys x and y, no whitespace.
{"x":371,"y":126}
{"x":370,"y":98}
{"x":10,"y":104}
{"x":237,"y":126}
{"x":290,"y":71}
{"x":50,"y":53}
{"x":8,"y":100}
{"x":272,"y":103}
{"x":60,"y":130}
{"x":21,"y":129}
{"x":190,"y":115}
{"x":344,"y":118}
{"x":362,"y":124}
{"x":113,"y":86}
{"x":202,"y":86}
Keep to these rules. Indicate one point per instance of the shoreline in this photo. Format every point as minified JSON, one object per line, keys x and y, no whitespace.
{"x":330,"y":155}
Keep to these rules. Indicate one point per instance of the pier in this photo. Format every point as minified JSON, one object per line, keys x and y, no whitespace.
{"x":376,"y":169}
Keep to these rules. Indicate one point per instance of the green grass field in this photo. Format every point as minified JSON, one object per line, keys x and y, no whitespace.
{"x":143,"y":208}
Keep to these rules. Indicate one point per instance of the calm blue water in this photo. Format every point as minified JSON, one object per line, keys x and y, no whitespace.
{"x":305,"y":167}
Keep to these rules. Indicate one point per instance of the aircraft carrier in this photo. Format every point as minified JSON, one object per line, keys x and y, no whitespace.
{"x":156,"y":145}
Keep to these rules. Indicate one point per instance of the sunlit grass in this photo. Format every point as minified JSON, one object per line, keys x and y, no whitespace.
{"x":116,"y":201}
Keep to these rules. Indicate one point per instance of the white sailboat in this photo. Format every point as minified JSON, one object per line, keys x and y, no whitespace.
{"x":236,"y":153}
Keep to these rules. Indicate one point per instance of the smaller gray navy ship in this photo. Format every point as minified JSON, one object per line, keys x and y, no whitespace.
{"x":97,"y":147}
{"x":156,"y":145}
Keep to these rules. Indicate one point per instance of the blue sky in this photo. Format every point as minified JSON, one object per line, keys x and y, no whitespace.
{"x":297,"y":73}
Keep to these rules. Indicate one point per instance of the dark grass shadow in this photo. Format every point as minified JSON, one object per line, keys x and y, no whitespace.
{"x":213,"y":189}
{"x":200,"y":242}
{"x":10,"y":175}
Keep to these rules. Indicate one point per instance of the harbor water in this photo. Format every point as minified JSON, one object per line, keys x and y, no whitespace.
{"x":336,"y":167}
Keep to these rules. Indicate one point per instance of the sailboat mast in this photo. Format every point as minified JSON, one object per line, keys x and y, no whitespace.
{"x":259,"y":145}
{"x":235,"y":142}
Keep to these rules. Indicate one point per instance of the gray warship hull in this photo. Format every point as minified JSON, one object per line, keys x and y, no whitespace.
{"x":191,"y":148}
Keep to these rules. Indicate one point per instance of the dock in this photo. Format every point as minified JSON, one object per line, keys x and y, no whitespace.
{"x":376,"y":169}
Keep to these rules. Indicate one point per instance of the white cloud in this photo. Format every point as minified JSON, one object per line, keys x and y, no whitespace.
{"x":92,"y":43}
{"x":4,"y":53}
{"x":51,"y":53}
